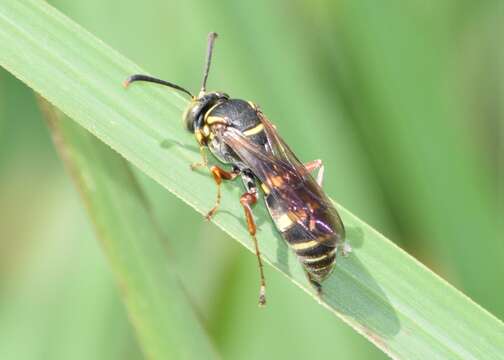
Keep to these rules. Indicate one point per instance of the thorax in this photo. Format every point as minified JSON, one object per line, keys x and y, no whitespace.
{"x":235,"y":113}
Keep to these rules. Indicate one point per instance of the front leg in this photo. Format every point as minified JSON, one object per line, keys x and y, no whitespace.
{"x":204,"y":160}
{"x":219,"y":175}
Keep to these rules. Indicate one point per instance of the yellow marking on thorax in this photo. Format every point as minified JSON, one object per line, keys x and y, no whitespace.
{"x":305,"y":245}
{"x":209,"y":111}
{"x":206,"y":131}
{"x":265,"y":188}
{"x":255,"y":130}
{"x":215,"y":120}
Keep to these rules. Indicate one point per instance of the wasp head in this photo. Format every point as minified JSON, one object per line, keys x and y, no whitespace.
{"x":195,"y":113}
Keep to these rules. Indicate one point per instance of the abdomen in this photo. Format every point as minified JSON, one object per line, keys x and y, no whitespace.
{"x":313,"y":235}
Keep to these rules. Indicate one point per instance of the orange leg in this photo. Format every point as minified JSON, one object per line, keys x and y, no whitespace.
{"x":219,"y":175}
{"x":314,"y":165}
{"x":247,"y":200}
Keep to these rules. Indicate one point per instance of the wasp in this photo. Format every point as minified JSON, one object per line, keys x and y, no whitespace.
{"x":239,"y":135}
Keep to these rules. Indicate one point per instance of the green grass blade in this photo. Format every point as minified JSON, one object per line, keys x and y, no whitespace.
{"x":158,"y":306}
{"x":383,"y":293}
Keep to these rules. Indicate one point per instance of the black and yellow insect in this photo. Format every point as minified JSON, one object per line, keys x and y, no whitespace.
{"x":237,"y":133}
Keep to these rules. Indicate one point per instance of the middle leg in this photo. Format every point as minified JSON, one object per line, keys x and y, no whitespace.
{"x":219,"y":175}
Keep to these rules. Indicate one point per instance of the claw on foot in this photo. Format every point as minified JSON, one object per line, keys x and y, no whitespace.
{"x":262,"y":296}
{"x":195,"y":166}
{"x":210,"y":214}
{"x":346,"y":249}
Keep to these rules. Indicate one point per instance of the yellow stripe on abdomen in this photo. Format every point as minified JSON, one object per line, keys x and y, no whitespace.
{"x":305,"y":245}
{"x":283,"y":222}
{"x":309,"y":260}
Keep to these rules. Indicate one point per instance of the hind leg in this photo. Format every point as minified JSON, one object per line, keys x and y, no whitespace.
{"x":246,"y":200}
{"x":314,"y":165}
{"x":345,"y":248}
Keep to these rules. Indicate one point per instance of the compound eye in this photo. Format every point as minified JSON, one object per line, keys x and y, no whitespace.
{"x":189,"y":124}
{"x":190,"y":116}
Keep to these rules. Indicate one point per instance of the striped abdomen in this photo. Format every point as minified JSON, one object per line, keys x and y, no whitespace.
{"x":317,"y":255}
{"x":314,"y":235}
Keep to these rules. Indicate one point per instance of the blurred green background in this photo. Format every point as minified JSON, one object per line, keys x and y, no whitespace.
{"x":402,"y":100}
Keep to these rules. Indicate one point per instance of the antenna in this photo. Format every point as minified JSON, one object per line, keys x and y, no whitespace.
{"x":211,"y":39}
{"x":139,"y":77}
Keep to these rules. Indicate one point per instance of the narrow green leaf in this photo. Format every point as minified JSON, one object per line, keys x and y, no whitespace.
{"x":158,"y":306}
{"x":383,"y":293}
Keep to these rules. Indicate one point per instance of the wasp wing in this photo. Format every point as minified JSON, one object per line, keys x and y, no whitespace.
{"x":310,"y":190}
{"x":282,"y":151}
{"x":289,"y":183}
{"x":279,"y":148}
{"x":266,"y":166}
